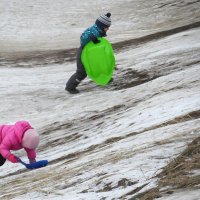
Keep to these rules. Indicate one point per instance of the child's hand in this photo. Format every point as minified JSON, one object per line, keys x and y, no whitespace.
{"x":95,"y":40}
{"x":13,"y":158}
{"x":32,"y":160}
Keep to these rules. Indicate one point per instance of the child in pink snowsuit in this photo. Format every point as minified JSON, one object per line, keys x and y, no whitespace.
{"x":15,"y":137}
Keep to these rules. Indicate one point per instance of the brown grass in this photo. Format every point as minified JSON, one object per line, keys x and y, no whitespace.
{"x":177,"y":174}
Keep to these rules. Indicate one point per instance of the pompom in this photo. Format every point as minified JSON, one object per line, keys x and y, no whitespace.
{"x":108,"y":14}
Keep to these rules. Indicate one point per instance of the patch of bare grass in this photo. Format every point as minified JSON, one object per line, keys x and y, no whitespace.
{"x":178,"y":174}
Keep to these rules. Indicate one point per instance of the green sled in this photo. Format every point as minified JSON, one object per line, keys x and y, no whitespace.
{"x":99,"y":61}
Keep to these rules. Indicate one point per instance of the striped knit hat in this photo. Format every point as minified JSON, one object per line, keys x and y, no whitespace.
{"x":103,"y":21}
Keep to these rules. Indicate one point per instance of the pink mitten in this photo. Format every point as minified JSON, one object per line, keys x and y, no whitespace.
{"x":32,"y":160}
{"x":13,"y":158}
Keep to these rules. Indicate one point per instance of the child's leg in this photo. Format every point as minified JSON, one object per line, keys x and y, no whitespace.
{"x":2,"y":160}
{"x":80,"y":74}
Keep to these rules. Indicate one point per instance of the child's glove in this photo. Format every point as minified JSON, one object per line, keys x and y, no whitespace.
{"x":94,"y":39}
{"x":111,"y":80}
{"x":13,"y":158}
{"x":32,"y":160}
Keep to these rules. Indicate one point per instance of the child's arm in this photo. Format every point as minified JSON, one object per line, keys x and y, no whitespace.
{"x":5,"y":152}
{"x":91,"y":34}
{"x":31,"y":154}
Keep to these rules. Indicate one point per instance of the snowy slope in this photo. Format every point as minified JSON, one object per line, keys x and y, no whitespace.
{"x":46,"y":24}
{"x":106,"y":142}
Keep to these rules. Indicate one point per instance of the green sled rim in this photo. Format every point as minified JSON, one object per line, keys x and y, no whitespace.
{"x":99,"y":61}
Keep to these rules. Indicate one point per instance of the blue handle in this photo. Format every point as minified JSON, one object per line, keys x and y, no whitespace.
{"x":23,"y":163}
{"x":35,"y":165}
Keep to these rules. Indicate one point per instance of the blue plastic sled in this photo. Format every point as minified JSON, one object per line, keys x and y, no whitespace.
{"x":35,"y":165}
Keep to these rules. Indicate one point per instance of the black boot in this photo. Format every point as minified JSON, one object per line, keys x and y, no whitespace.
{"x":72,"y":91}
{"x":72,"y":84}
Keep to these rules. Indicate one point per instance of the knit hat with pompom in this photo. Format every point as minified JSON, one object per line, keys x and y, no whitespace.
{"x":104,"y":21}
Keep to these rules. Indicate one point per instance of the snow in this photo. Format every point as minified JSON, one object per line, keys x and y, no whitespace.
{"x":183,"y":195}
{"x":103,"y":135}
{"x":46,"y":24}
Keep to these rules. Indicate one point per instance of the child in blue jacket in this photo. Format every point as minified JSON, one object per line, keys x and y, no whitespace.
{"x":99,"y":29}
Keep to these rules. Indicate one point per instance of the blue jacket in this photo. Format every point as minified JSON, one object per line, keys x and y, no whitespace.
{"x":93,"y":31}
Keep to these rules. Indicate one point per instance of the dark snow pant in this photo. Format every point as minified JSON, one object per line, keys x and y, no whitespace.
{"x":79,"y":75}
{"x":2,"y":160}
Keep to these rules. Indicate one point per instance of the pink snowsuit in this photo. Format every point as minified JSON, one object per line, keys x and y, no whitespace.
{"x":11,"y":139}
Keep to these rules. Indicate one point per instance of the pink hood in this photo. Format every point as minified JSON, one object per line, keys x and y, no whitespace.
{"x":30,"y":139}
{"x":11,"y":138}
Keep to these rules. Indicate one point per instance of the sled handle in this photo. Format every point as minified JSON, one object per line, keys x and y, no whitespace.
{"x":35,"y":165}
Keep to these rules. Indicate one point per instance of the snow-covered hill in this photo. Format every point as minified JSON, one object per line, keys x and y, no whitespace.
{"x":137,"y":138}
